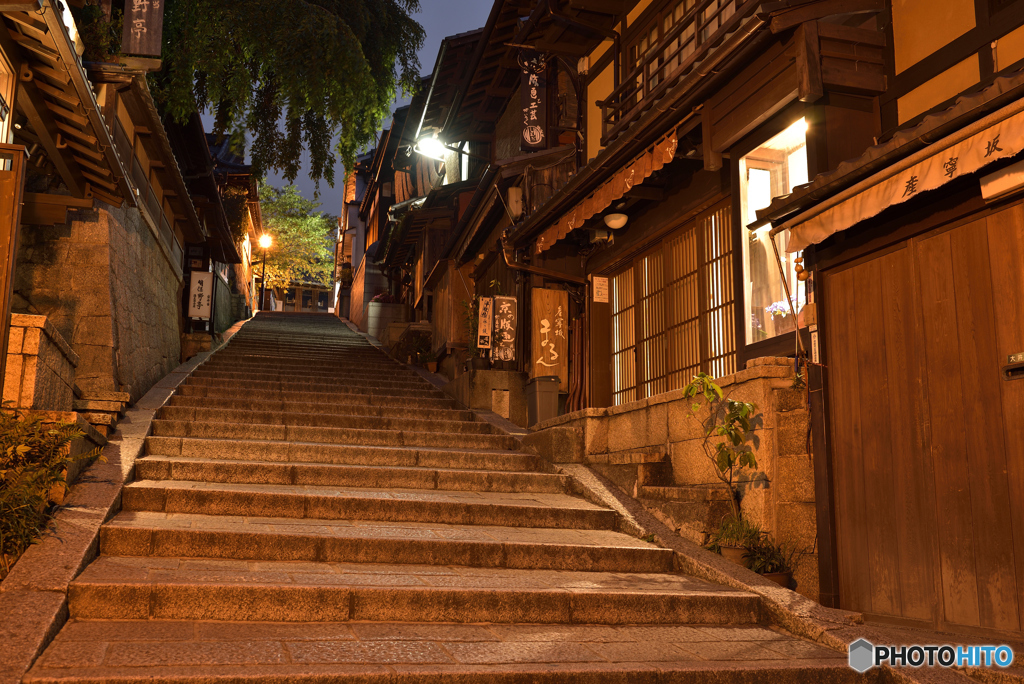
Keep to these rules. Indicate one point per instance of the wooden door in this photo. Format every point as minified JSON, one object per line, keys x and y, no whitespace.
{"x":928,"y":436}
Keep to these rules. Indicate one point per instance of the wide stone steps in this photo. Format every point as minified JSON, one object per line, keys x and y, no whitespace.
{"x":133,"y":651}
{"x":336,"y":409}
{"x":184,"y":535}
{"x":337,"y":503}
{"x":365,"y":422}
{"x":116,"y":588}
{"x":310,"y":511}
{"x":302,"y":452}
{"x":381,"y":387}
{"x":329,"y":435}
{"x":353,"y":396}
{"x":262,"y":472}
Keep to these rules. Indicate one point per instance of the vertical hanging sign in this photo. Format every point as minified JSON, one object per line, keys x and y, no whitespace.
{"x":485,"y":323}
{"x":550,"y":341}
{"x":200,"y":295}
{"x":533,"y":100}
{"x":143,"y":27}
{"x":504,"y":329}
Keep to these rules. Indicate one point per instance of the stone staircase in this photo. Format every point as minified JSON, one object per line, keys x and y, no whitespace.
{"x":310,"y":510}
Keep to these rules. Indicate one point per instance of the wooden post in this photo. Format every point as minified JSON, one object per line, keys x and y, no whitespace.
{"x":12,"y":190}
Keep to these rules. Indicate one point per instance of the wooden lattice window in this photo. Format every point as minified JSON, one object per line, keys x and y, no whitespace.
{"x":673,"y":309}
{"x":623,"y":337}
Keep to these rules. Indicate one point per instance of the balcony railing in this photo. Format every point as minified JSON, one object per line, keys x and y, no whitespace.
{"x":685,"y":45}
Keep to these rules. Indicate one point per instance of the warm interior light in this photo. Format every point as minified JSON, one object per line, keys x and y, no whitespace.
{"x":265,"y":241}
{"x":431,"y":147}
{"x":615,"y":221}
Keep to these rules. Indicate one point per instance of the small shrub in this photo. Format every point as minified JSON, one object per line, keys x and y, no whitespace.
{"x":735,"y":531}
{"x":33,"y":463}
{"x":766,"y":556}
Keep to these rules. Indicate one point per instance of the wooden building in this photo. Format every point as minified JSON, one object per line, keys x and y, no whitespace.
{"x":917,"y":249}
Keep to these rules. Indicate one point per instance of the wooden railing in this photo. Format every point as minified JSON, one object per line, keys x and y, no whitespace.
{"x":691,"y":40}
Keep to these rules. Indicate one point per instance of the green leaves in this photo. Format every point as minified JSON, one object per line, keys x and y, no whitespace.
{"x":302,"y":249}
{"x":314,"y":75}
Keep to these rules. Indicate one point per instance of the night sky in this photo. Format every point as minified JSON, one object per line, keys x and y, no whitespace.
{"x":440,"y":18}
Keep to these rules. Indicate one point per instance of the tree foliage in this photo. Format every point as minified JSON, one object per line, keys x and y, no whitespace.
{"x":327,"y":69}
{"x":302,"y":248}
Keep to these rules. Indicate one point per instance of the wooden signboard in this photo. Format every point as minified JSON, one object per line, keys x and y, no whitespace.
{"x":200,"y":295}
{"x":485,"y":323}
{"x":550,"y":340}
{"x":12,"y":188}
{"x":505,"y":329}
{"x":533,"y":101}
{"x":143,"y":27}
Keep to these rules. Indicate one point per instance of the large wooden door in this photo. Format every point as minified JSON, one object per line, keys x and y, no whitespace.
{"x":927,"y":434}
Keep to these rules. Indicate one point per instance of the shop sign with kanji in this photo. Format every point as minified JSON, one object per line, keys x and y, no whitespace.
{"x":200,"y":295}
{"x":143,"y":27}
{"x":505,"y":323}
{"x":550,"y":340}
{"x":532,"y":90}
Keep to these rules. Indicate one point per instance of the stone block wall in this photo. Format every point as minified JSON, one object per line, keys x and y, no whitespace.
{"x":40,"y":366}
{"x":626,"y":442}
{"x":108,"y":286}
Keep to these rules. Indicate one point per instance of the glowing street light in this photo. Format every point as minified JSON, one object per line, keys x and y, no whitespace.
{"x":430,"y":146}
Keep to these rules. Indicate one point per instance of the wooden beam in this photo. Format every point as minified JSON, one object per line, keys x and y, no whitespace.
{"x":712,"y":159}
{"x":612,"y":7}
{"x":812,"y":11}
{"x":33,"y":106}
{"x":808,"y":63}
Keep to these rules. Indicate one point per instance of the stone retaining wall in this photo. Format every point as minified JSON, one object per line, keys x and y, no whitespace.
{"x":652,"y":450}
{"x":40,"y":366}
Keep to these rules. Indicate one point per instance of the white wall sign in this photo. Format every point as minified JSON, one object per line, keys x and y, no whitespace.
{"x":200,"y":295}
{"x":600,"y":289}
{"x":485,"y":324}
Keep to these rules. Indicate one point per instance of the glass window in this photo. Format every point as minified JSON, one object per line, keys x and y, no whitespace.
{"x":771,"y":170}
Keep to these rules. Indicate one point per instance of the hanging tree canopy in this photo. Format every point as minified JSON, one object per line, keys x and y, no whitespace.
{"x":292,"y":74}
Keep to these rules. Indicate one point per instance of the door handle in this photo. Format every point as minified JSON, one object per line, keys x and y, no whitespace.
{"x":1013,"y":371}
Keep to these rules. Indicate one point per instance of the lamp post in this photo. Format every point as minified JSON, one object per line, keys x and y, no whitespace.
{"x":265,"y":242}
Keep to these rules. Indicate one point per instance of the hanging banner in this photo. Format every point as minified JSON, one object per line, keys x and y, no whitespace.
{"x":200,"y":295}
{"x":505,"y":324}
{"x":533,"y":100}
{"x":485,"y":323}
{"x":550,"y":340}
{"x":143,"y":27}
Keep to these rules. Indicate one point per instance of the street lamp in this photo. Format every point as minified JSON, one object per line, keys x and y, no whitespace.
{"x":265,"y":242}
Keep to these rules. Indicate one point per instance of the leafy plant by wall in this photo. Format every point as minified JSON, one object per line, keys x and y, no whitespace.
{"x":33,"y":467}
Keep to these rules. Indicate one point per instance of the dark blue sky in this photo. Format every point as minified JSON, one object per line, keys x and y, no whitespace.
{"x":440,"y":18}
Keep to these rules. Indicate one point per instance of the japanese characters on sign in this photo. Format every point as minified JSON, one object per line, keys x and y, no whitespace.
{"x":532,"y":100}
{"x":601,"y":289}
{"x":505,"y":324}
{"x":550,"y":325}
{"x":143,"y":27}
{"x":485,"y":323}
{"x":200,"y":295}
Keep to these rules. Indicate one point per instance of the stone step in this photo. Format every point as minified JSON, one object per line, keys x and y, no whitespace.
{"x":366,"y":422}
{"x":335,"y":409}
{"x":328,"y":435}
{"x":116,"y":588}
{"x":298,"y":452}
{"x":372,"y":398}
{"x":359,"y":374}
{"x":191,"y":535}
{"x":425,"y":391}
{"x":261,"y":472}
{"x":340,"y":503}
{"x":134,"y":651}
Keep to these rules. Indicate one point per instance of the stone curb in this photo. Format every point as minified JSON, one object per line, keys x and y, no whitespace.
{"x":33,"y":597}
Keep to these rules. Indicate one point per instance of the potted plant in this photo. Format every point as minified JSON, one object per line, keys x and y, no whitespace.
{"x":733,"y":538}
{"x":776,"y":562}
{"x":727,"y":428}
